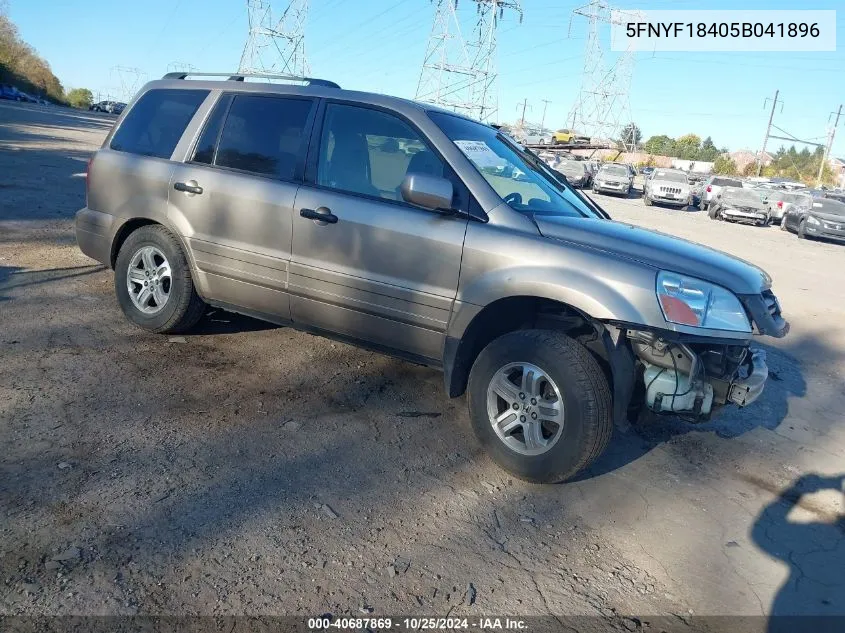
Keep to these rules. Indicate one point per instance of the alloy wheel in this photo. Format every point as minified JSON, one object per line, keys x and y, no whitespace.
{"x":149,"y":280}
{"x":525,"y":408}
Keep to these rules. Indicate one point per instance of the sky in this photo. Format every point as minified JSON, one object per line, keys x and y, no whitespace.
{"x":379,"y":45}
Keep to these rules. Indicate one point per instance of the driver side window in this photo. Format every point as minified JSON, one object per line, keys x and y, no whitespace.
{"x":369,"y":152}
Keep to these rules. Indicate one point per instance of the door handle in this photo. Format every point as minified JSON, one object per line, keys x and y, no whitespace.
{"x":188,"y":187}
{"x":321,"y":215}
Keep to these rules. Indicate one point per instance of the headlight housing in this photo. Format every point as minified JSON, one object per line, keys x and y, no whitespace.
{"x":690,"y":301}
{"x":813,"y":220}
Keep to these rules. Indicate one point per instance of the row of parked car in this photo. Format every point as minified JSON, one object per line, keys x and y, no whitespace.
{"x":11,"y":93}
{"x":757,"y":201}
{"x":807,"y":212}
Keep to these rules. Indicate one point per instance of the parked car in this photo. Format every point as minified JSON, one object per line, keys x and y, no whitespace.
{"x":613,"y":178}
{"x":781,"y":201}
{"x":102,"y":106}
{"x":738,"y":204}
{"x":534,"y":137}
{"x":10,"y":92}
{"x":577,"y":172}
{"x":646,"y":171}
{"x":667,"y":186}
{"x":117,"y":107}
{"x":825,"y":218}
{"x":569,"y":137}
{"x":277,"y":201}
{"x":713,"y":186}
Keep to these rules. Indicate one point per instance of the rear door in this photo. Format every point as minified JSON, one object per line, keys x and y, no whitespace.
{"x":383,"y":271}
{"x":233,"y":199}
{"x":129,"y":176}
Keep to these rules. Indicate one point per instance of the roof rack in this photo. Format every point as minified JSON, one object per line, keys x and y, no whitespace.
{"x":311,"y":81}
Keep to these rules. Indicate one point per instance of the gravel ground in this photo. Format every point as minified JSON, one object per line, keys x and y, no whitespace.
{"x":250,"y":469}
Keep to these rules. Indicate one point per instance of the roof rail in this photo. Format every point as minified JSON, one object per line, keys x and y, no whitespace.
{"x":311,"y":81}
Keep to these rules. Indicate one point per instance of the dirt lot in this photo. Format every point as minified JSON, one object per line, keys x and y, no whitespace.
{"x":249,"y":469}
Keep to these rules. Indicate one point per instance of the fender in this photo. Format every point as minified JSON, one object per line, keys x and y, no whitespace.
{"x":631,"y":300}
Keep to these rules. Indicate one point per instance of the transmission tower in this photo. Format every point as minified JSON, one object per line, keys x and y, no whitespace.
{"x":181,"y":67}
{"x":130,"y":80}
{"x":603,"y":105}
{"x":460,"y":74}
{"x":275,"y":46}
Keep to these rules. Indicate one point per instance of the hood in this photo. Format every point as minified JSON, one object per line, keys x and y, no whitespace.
{"x":658,"y":250}
{"x":828,"y":217}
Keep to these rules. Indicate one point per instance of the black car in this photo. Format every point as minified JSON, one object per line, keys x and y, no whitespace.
{"x":825,"y":219}
{"x":646,"y":171}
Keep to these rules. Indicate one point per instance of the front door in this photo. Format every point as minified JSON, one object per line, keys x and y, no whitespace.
{"x":380,"y":270}
{"x":233,"y":201}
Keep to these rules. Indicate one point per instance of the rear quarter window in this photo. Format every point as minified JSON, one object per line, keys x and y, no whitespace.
{"x":157,"y":121}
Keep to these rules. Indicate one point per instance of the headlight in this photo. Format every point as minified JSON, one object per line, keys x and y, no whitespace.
{"x":813,"y":220}
{"x":690,"y":301}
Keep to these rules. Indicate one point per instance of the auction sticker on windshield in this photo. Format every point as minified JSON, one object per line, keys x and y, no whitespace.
{"x":481,"y":154}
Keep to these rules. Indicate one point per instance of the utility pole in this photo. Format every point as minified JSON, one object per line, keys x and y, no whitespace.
{"x":546,"y":103}
{"x":831,"y":135}
{"x":524,"y":105}
{"x":768,"y":131}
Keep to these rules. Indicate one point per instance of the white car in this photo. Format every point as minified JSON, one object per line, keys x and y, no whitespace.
{"x":534,"y":137}
{"x":667,"y":186}
{"x":782,"y":202}
{"x":713,"y":186}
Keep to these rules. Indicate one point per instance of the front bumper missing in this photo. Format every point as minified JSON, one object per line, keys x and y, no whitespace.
{"x":744,"y":391}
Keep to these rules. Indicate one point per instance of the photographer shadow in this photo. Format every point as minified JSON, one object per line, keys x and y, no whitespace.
{"x":809,"y":537}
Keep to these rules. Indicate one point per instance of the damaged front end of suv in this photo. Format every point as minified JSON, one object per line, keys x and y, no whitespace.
{"x":694,"y":375}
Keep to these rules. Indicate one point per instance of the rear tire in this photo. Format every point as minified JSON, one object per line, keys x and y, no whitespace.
{"x":182,"y":307}
{"x":561,"y":366}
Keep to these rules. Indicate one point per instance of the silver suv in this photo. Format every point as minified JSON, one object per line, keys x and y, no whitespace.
{"x":427,"y":235}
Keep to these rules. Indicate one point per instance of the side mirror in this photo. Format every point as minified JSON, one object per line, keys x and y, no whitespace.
{"x":429,"y":192}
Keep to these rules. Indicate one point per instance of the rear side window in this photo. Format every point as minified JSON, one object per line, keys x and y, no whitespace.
{"x":156,"y":122}
{"x":264,"y":135}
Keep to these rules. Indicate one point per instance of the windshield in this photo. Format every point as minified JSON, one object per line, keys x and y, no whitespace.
{"x":831,"y":207}
{"x":726,"y":182}
{"x":670,"y":176}
{"x":614,"y":170}
{"x":744,"y":197}
{"x":524,"y":186}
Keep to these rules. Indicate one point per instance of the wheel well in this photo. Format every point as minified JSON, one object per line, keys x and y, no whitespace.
{"x":124,"y":232}
{"x":518,"y":313}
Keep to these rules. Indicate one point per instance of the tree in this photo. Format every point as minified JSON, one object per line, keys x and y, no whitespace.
{"x":21,"y":66}
{"x":724,"y":165}
{"x":631,"y":135}
{"x":708,"y":151}
{"x":661,"y":145}
{"x":688,"y":147}
{"x":80,"y":98}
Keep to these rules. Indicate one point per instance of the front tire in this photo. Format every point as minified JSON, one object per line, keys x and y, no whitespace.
{"x":153,"y":283}
{"x":540,"y":404}
{"x":713,"y":212}
{"x":647,"y":201}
